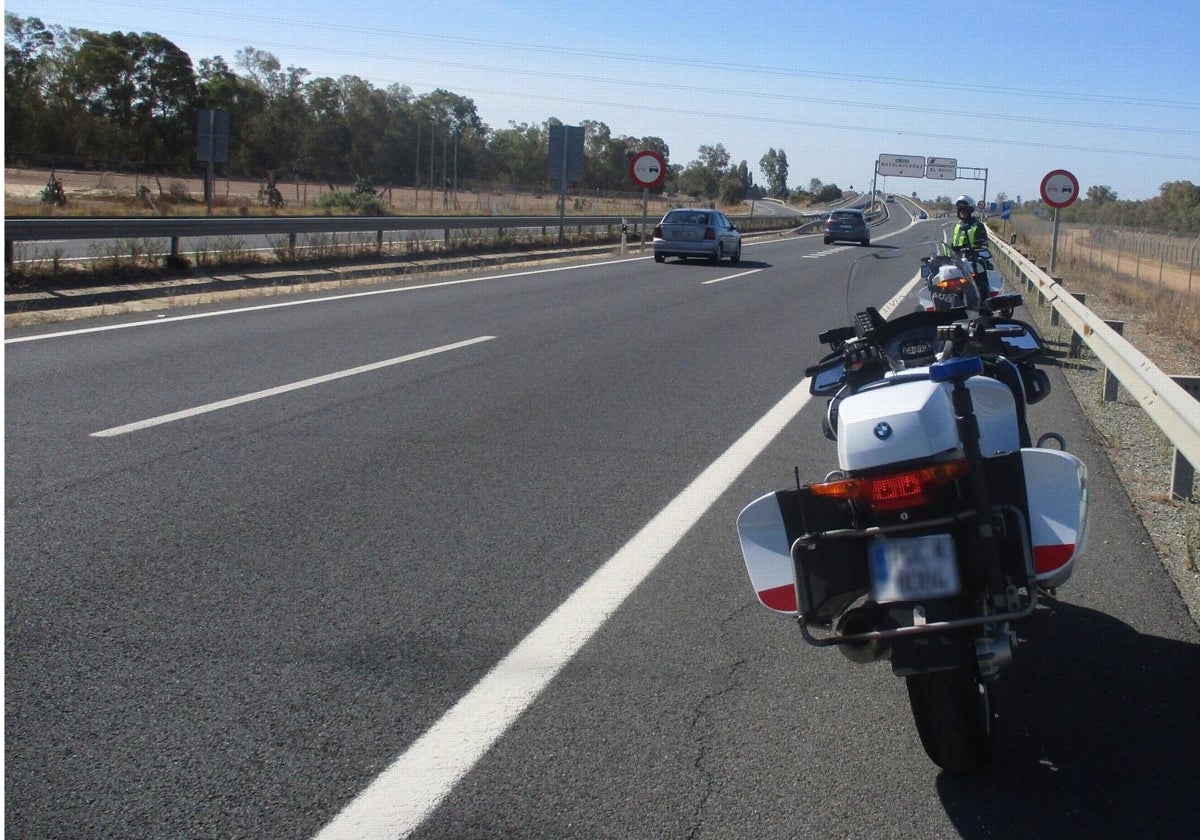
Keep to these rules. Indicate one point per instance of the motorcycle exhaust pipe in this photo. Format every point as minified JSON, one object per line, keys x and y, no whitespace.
{"x":858,"y":621}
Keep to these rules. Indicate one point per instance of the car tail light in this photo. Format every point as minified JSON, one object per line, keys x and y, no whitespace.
{"x":709,"y":233}
{"x":894,"y":490}
{"x":657,"y":232}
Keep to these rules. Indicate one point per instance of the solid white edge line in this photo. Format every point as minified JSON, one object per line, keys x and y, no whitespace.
{"x":281,"y":389}
{"x":400,"y":798}
{"x":172,"y":319}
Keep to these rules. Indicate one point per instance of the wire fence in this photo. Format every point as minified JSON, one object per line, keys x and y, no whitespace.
{"x":1168,"y":260}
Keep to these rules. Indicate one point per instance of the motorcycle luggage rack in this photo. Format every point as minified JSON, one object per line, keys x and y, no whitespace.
{"x":1024,"y":610}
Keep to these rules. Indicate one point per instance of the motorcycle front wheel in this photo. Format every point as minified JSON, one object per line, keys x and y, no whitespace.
{"x":953,"y":714}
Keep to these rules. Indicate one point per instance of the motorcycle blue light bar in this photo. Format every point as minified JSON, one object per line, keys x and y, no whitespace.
{"x":952,"y":369}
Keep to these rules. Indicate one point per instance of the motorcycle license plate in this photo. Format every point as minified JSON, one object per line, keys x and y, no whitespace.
{"x":913,"y":569}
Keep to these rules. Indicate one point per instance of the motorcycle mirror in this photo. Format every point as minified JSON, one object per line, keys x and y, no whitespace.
{"x":1020,"y":347}
{"x":1002,"y":302}
{"x":829,"y":377}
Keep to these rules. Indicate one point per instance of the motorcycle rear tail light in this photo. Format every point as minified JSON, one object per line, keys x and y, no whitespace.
{"x":894,"y":491}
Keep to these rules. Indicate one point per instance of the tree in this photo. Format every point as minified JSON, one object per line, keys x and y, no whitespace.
{"x":1101,"y":194}
{"x":715,"y":158}
{"x":272,"y":138}
{"x":774,"y":167}
{"x":517,"y":155}
{"x":28,"y":52}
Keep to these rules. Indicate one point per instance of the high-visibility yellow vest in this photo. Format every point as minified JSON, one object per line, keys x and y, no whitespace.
{"x":969,"y":234}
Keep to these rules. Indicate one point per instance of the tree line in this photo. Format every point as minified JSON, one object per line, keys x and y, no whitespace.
{"x":76,"y":96}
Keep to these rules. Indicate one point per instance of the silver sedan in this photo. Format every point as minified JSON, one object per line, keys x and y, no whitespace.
{"x":697,"y":232}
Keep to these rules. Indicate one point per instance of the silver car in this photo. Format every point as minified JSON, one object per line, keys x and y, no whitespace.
{"x":697,"y":232}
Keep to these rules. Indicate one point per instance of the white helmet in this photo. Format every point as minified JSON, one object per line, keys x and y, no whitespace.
{"x":964,"y":201}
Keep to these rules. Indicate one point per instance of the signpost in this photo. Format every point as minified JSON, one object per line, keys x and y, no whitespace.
{"x":565,"y":163}
{"x":212,"y":145}
{"x":1059,"y":189}
{"x":648,"y":169}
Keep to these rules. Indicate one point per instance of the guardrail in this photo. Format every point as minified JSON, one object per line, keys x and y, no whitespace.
{"x":206,"y":227}
{"x":1168,"y":404}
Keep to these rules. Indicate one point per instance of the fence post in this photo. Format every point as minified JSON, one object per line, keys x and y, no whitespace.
{"x":1076,"y":339}
{"x":1110,"y":381}
{"x":1183,"y":472}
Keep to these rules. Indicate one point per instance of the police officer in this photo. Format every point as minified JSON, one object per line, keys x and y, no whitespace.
{"x":969,"y":232}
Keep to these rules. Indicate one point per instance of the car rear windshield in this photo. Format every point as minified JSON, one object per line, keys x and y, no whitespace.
{"x":844,"y":216}
{"x":686,"y":217}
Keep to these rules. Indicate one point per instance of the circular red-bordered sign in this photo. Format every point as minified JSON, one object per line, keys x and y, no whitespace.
{"x":1060,"y":188}
{"x":648,"y":169}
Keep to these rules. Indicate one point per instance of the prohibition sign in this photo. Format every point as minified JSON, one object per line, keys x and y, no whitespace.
{"x":1060,"y":188}
{"x":648,"y":169}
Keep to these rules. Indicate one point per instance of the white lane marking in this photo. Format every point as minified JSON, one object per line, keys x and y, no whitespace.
{"x":282,"y":389}
{"x":398,"y":800}
{"x":171,"y":319}
{"x":731,"y":276}
{"x":159,"y":320}
{"x":408,"y":791}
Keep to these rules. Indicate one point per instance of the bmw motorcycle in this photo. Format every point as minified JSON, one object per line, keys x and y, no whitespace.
{"x":965,"y":279}
{"x":942,"y":523}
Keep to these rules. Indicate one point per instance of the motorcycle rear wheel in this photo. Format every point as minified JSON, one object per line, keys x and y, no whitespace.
{"x":953,"y":714}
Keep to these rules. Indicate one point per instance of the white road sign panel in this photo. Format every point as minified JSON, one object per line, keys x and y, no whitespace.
{"x":902,"y":165}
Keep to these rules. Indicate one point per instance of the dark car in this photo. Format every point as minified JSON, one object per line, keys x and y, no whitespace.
{"x":847,"y":225}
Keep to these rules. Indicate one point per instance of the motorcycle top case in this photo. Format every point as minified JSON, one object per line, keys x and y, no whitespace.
{"x":905,"y":418}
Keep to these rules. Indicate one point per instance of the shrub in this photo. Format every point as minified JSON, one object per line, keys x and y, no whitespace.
{"x":363,"y":204}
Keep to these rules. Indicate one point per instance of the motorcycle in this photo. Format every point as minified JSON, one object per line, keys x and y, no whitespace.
{"x":946,"y":280}
{"x":942,"y":524}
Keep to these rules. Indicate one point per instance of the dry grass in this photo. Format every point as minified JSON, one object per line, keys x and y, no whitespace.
{"x":1164,"y":307}
{"x":109,"y":194}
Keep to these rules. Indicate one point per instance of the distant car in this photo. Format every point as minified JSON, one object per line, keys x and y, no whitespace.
{"x":921,"y":214}
{"x":843,"y":225}
{"x":687,"y":232}
{"x":891,"y":199}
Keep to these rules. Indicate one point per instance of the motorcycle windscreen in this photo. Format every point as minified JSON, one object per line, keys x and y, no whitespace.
{"x":767,"y":552}
{"x":1057,"y":492}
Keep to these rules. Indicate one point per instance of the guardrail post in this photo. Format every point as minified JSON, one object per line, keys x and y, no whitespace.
{"x":1183,"y":472}
{"x":1110,"y":381}
{"x":1054,"y":310}
{"x":1076,"y":348}
{"x":379,"y":243}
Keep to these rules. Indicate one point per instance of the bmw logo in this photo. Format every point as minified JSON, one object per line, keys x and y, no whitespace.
{"x":883,"y":431}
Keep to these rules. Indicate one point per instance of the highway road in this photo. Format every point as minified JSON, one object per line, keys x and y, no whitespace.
{"x":458,"y":560}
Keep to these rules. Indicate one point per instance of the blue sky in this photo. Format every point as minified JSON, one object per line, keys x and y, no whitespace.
{"x":1109,"y":91}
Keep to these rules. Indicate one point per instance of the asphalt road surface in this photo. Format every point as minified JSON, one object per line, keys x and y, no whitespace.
{"x":459,"y":560}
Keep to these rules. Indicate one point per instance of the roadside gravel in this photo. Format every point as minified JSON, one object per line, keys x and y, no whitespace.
{"x":1140,"y":453}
